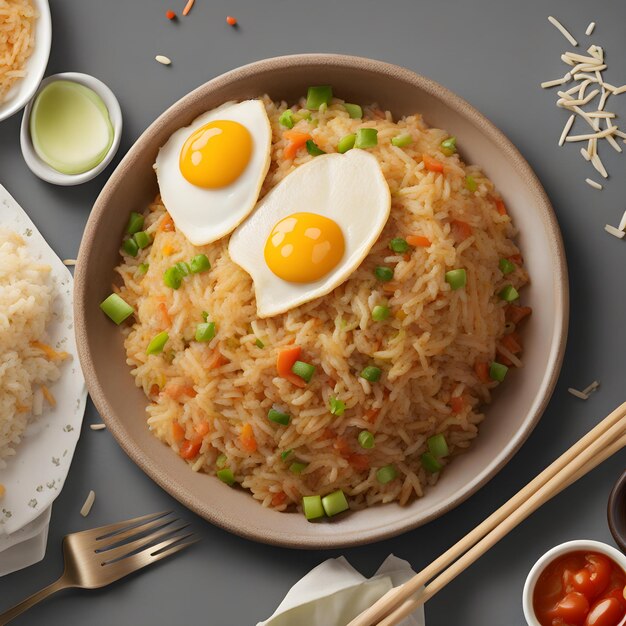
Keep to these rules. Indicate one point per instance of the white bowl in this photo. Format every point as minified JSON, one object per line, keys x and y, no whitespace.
{"x":582,"y":545}
{"x":24,"y":89}
{"x":39,"y":167}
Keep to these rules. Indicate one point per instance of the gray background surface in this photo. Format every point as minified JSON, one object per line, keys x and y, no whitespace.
{"x":494,"y":53}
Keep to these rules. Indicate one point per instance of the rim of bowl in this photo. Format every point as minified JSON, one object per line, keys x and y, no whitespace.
{"x":39,"y":167}
{"x":616,"y":512}
{"x":43,"y":29}
{"x":569,"y":546}
{"x":561,"y":294}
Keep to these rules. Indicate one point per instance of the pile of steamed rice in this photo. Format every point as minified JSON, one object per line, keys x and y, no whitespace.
{"x":427,"y":349}
{"x":26,"y":297}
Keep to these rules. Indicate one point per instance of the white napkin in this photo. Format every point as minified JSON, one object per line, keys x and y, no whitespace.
{"x":333,"y":593}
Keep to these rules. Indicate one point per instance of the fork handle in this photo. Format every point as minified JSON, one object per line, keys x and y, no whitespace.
{"x":24,"y":605}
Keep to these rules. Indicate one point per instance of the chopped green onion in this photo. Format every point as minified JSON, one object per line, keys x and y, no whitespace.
{"x":284,"y":455}
{"x":438,"y":446}
{"x":312,"y":507}
{"x":142,"y":268}
{"x":471,"y":184}
{"x":384,"y":274}
{"x":354,"y":111}
{"x":402,"y":141}
{"x":371,"y":373}
{"x":158,"y":343}
{"x":497,"y":371}
{"x":509,"y":294}
{"x":172,"y":277}
{"x":386,"y":474}
{"x":337,"y":406}
{"x":183,"y":268}
{"x":205,"y":331}
{"x":221,"y":461}
{"x":142,"y":239}
{"x":380,"y":313}
{"x":346,"y":143}
{"x":366,"y":439}
{"x":430,"y":463}
{"x":259,"y":344}
{"x":316,"y":96}
{"x":304,"y":370}
{"x":366,"y":138}
{"x":135,"y":223}
{"x":335,"y":503}
{"x":506,"y":266}
{"x":297,"y":467}
{"x":130,"y":247}
{"x":226,"y":476}
{"x":322,"y":109}
{"x":199,"y":263}
{"x":456,"y":279}
{"x":278,"y":417}
{"x":448,"y":146}
{"x":116,"y":308}
{"x":313,"y":149}
{"x":205,"y":315}
{"x":397,"y":244}
{"x":286,"y":118}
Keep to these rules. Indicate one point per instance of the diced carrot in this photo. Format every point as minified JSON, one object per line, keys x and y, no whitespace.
{"x":189,"y":449}
{"x":279,"y":498}
{"x":516,"y":313}
{"x":417,"y":241}
{"x":167,"y":224}
{"x":517,"y":259}
{"x":178,"y":432}
{"x":50,"y":352}
{"x":460,"y":230}
{"x":202,"y":429}
{"x":482,"y":371}
{"x":296,"y":141}
{"x":176,"y":391}
{"x":166,"y":320}
{"x":512,"y":343}
{"x":359,"y":462}
{"x":284,"y":362}
{"x":342,"y":446}
{"x":47,"y":394}
{"x":502,"y":358}
{"x":215,"y":360}
{"x":371,"y":415}
{"x":328,"y":433}
{"x":390,"y":287}
{"x":432,"y":165}
{"x":401,"y":314}
{"x":155,"y":390}
{"x":500,"y":207}
{"x":457,"y":404}
{"x":231,"y":21}
{"x":246,"y":436}
{"x":168,"y":249}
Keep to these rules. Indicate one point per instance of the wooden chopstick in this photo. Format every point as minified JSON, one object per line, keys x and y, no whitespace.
{"x":589,"y":451}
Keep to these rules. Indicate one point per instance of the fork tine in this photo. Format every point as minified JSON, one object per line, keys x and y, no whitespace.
{"x":102,"y":532}
{"x":110,"y":541}
{"x":149,"y":555}
{"x":126,"y":549}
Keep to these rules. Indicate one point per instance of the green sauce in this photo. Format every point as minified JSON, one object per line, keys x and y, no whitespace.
{"x":70,"y":127}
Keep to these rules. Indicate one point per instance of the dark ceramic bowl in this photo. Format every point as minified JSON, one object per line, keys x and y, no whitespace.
{"x":616,"y":512}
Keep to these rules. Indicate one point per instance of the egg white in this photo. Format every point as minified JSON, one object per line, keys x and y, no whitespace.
{"x":348,"y":188}
{"x":206,"y":215}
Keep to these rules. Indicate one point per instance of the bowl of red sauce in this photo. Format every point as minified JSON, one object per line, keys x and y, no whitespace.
{"x":578,"y":583}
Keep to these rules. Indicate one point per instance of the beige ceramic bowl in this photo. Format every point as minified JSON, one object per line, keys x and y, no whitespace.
{"x":517,"y":405}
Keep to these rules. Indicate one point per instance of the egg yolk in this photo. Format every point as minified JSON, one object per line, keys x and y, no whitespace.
{"x":216,"y":154}
{"x":304,"y":247}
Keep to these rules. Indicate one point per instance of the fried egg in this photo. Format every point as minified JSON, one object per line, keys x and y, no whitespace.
{"x":311,"y":231}
{"x":210,"y":172}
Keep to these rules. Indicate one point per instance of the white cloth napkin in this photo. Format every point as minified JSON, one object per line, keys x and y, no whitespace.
{"x":334,"y":593}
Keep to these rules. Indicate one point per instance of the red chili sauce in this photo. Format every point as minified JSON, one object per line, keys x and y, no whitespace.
{"x":581,"y":589}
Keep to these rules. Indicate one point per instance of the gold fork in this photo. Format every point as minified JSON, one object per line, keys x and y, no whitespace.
{"x":98,"y":557}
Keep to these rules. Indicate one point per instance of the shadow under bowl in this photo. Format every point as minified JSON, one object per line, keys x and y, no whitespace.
{"x":616,"y":512}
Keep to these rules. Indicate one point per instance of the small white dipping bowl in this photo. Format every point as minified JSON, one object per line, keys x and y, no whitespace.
{"x":24,"y":89}
{"x":579,"y":545}
{"x":39,"y":167}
